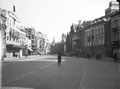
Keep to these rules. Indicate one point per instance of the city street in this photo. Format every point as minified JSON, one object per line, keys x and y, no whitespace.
{"x":43,"y":72}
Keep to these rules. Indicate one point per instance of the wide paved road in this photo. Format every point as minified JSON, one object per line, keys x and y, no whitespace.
{"x":43,"y":72}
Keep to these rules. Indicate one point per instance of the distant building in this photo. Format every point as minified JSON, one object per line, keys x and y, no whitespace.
{"x":45,"y":44}
{"x":29,"y":40}
{"x":31,"y":34}
{"x":39,"y":43}
{"x":64,"y":36}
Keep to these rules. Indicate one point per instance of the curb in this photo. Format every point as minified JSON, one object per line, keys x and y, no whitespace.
{"x":19,"y":59}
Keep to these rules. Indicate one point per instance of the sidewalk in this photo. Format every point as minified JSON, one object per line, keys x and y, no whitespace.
{"x":15,"y":88}
{"x":8,"y":59}
{"x":106,"y":59}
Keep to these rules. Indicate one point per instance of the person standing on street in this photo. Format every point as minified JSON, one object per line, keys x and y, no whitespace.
{"x":59,"y":57}
{"x":115,"y":57}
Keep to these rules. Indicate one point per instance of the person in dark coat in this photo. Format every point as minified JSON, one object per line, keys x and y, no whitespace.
{"x":115,"y":57}
{"x":88,"y":56}
{"x":59,"y":58}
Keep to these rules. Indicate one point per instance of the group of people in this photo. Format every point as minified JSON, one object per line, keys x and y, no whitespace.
{"x":97,"y":57}
{"x":16,"y":54}
{"x":116,"y":56}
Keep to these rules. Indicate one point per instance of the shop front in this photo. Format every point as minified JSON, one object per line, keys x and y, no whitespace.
{"x":14,"y":50}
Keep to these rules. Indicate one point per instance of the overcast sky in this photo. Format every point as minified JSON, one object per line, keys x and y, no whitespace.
{"x":55,"y":17}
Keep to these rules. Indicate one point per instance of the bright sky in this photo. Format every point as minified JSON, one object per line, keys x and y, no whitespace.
{"x":55,"y":17}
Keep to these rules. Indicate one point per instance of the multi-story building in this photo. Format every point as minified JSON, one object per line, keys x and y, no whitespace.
{"x":95,"y":37}
{"x":113,"y":11}
{"x":115,"y":31}
{"x":40,"y":43}
{"x":13,"y":42}
{"x":23,"y":41}
{"x":31,"y":34}
{"x":29,"y":43}
{"x":3,"y":29}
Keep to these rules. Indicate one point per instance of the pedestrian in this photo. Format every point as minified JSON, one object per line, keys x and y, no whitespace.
{"x":59,"y":58}
{"x":97,"y":56}
{"x":118,"y":56}
{"x":100,"y":56}
{"x":88,"y":56}
{"x":115,"y":57}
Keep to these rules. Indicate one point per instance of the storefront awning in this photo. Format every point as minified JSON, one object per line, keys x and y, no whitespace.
{"x":19,"y":46}
{"x":30,"y":49}
{"x":15,"y":46}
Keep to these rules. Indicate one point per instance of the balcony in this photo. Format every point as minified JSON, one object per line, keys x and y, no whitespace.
{"x":8,"y":42}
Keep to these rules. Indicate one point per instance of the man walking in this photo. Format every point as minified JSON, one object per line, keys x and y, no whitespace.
{"x":115,"y":57}
{"x":59,"y":57}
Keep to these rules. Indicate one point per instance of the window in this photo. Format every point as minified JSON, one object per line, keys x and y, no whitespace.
{"x":94,"y":32}
{"x":7,"y":37}
{"x":10,"y":23}
{"x":102,"y":30}
{"x":119,"y":23}
{"x":98,"y":31}
{"x":102,"y":39}
{"x":32,"y":37}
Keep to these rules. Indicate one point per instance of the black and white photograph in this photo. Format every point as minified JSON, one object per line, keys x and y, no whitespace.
{"x":59,"y":44}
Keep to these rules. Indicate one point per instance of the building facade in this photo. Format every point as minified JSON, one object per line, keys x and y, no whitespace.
{"x":23,"y":41}
{"x":3,"y":30}
{"x":95,"y":37}
{"x":13,"y":40}
{"x":31,"y":34}
{"x":100,"y":36}
{"x":64,"y":36}
{"x":115,"y":31}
